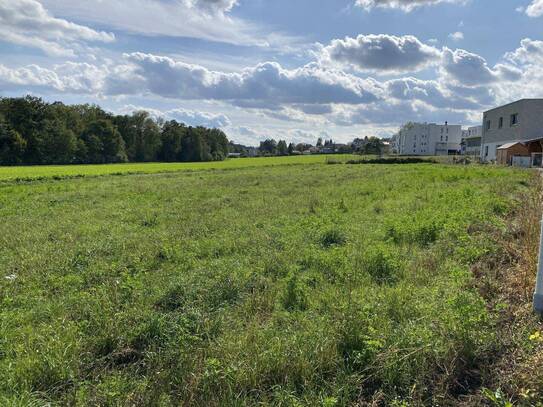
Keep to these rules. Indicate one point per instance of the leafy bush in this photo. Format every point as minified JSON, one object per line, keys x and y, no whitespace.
{"x":381,"y":265}
{"x":419,"y":231}
{"x":333,"y":237}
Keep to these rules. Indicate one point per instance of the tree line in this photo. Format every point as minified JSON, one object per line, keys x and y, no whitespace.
{"x":36,"y":132}
{"x":367,"y":145}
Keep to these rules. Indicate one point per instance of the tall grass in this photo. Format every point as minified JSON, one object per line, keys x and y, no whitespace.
{"x":278,"y":285}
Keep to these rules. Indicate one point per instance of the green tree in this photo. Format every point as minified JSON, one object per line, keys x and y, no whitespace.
{"x":104,"y":142}
{"x":291,"y":148}
{"x":268,"y":147}
{"x":374,"y":145}
{"x":59,"y":143}
{"x":171,"y":141}
{"x":282,"y":148}
{"x":12,"y":145}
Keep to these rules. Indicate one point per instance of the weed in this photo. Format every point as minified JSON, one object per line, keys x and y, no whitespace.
{"x":333,"y":237}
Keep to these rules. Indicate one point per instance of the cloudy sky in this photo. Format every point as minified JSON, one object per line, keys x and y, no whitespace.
{"x":290,"y":69}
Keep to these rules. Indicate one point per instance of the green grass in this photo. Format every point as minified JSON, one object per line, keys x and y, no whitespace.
{"x":66,"y":171}
{"x":272,"y":285}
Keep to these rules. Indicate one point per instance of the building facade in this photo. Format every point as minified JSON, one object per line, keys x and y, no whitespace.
{"x":428,"y":139}
{"x":518,"y":121}
{"x":471,"y":141}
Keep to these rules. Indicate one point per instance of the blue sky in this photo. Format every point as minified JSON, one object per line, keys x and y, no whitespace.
{"x":294,"y":70}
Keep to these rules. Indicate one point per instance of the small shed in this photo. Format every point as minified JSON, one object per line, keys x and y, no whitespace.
{"x":505,"y":153}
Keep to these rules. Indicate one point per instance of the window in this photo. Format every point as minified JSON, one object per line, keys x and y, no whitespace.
{"x":500,"y":125}
{"x":488,"y":123}
{"x":514,"y":119}
{"x":486,"y":151}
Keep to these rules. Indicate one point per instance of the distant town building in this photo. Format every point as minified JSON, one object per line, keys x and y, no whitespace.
{"x":428,"y":139}
{"x":471,"y":141}
{"x":520,"y":121}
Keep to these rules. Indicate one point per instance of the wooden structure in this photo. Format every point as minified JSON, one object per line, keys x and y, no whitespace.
{"x":505,"y":153}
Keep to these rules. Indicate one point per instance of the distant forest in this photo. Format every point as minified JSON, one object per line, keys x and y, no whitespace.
{"x":35,"y":132}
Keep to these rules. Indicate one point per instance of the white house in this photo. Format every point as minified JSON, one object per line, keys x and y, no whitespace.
{"x":471,"y":140}
{"x":428,"y":139}
{"x":518,"y":121}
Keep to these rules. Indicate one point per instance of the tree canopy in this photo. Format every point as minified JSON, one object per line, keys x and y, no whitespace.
{"x":33,"y":131}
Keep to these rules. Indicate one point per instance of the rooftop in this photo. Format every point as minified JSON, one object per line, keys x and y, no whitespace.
{"x":512,"y":103}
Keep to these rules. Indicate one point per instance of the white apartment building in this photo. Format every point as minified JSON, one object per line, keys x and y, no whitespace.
{"x":471,"y":141}
{"x":519,"y":121}
{"x":429,"y":139}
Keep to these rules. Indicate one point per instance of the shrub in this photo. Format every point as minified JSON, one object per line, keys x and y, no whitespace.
{"x":381,"y":265}
{"x":333,"y":237}
{"x":422,"y":232}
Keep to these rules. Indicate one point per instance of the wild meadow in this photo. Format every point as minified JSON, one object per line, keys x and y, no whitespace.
{"x":37,"y":172}
{"x":288,"y":285}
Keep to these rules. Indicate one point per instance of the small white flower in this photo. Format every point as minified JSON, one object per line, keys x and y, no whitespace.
{"x":11,"y":277}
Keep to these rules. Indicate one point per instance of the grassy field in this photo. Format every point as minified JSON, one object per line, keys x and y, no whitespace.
{"x":281,"y":285}
{"x":26,"y":173}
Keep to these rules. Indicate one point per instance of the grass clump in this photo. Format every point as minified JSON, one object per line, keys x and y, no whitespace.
{"x":333,"y":237}
{"x":381,"y":264}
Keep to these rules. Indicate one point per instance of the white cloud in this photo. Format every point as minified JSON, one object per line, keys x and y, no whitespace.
{"x":381,"y":53}
{"x":187,"y":116}
{"x":203,"y":19}
{"x":535,"y":9}
{"x":197,"y":118}
{"x":457,"y":36}
{"x":394,"y":113}
{"x":213,"y":6}
{"x":430,"y":92}
{"x":268,"y":82}
{"x":471,"y":69}
{"x":529,"y":52}
{"x":70,"y":77}
{"x":28,"y":23}
{"x":405,"y":5}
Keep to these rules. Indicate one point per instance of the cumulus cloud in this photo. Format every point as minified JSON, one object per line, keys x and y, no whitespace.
{"x":530,"y":51}
{"x":197,"y":118}
{"x":28,"y":23}
{"x":405,"y":5}
{"x":381,"y":53}
{"x":472,"y":69}
{"x":70,"y":77}
{"x":535,"y":9}
{"x":189,"y":117}
{"x":430,"y":92}
{"x":268,"y":81}
{"x":393,"y":113}
{"x":265,"y":86}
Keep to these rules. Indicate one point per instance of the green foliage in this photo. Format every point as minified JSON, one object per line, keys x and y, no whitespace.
{"x":381,"y":264}
{"x":294,"y":297}
{"x":12,"y":145}
{"x":422,"y":231}
{"x":246,"y":282}
{"x":333,"y":237}
{"x":35,"y":132}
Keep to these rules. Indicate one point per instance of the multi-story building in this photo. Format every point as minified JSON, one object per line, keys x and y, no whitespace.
{"x":428,"y":139}
{"x":520,"y":121}
{"x":471,"y":141}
